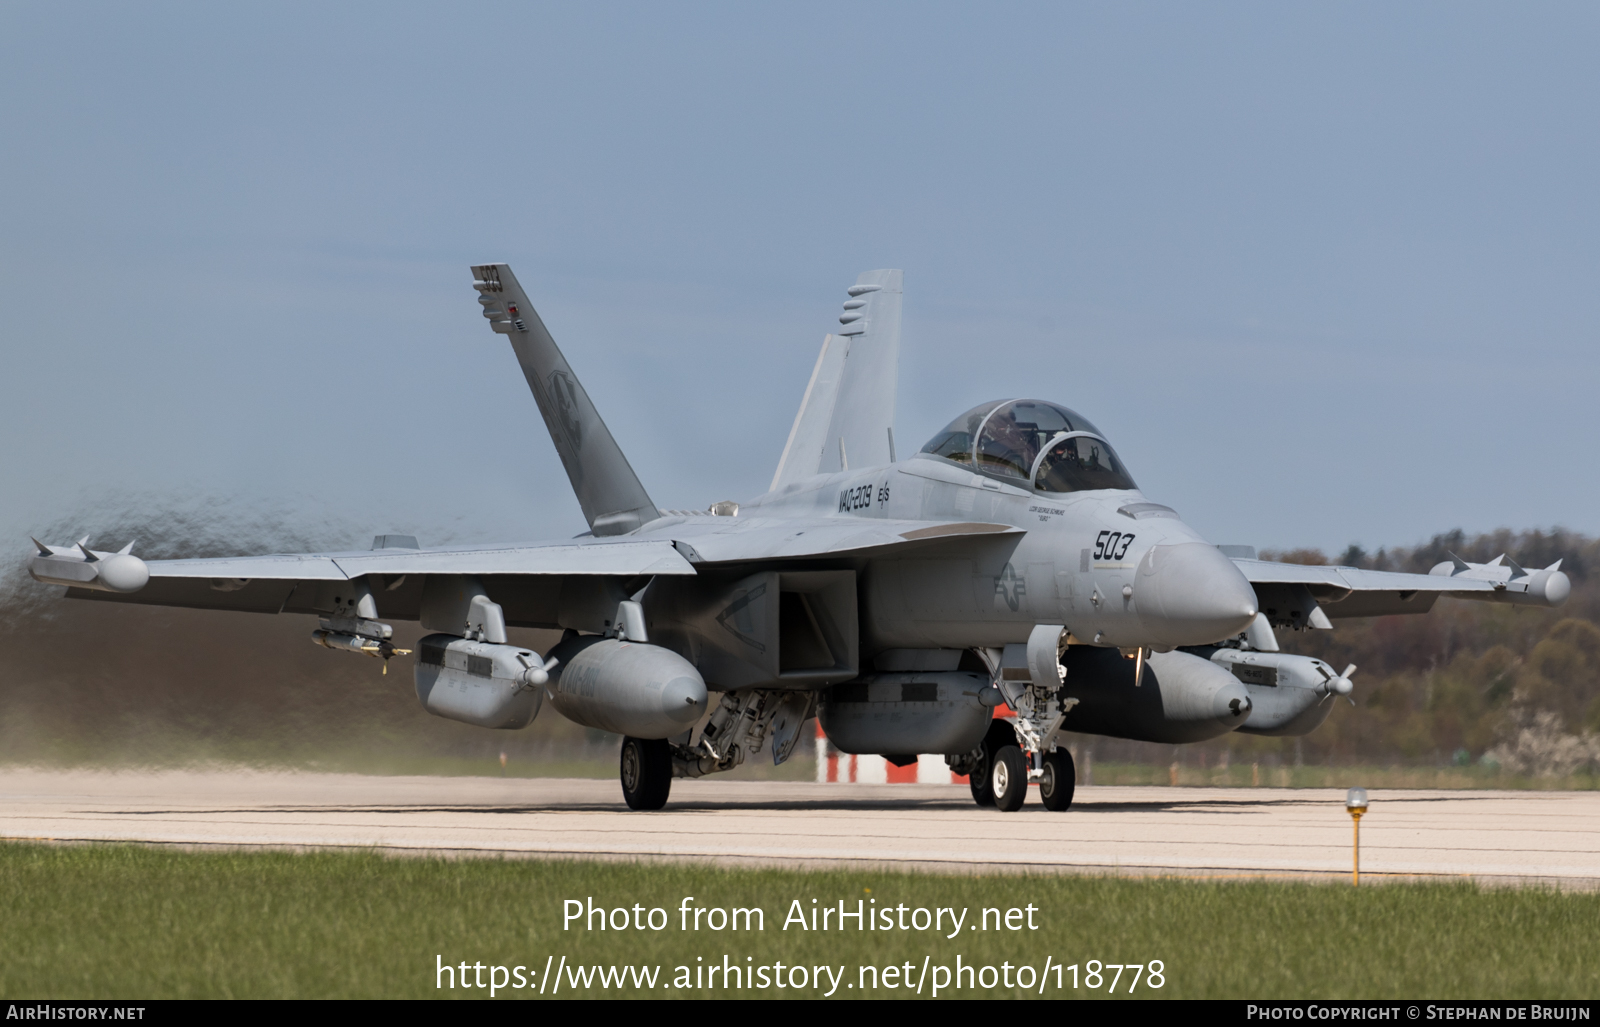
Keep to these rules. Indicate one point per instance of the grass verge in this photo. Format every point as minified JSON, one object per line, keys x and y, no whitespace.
{"x":1261,"y":775}
{"x":136,"y":922}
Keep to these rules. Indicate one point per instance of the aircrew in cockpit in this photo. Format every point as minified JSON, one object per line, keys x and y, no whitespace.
{"x":1011,"y":435}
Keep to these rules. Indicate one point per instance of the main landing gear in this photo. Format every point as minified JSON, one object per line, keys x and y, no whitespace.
{"x":740,"y":726}
{"x":646,"y":772}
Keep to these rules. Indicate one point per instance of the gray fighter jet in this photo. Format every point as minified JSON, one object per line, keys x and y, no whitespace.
{"x":1005,"y":583}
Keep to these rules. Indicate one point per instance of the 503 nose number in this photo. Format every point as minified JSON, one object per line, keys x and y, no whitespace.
{"x":1112,"y":545}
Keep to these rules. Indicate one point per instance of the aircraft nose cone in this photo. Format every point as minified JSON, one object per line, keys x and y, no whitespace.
{"x":683,"y":699}
{"x":1190,"y":594}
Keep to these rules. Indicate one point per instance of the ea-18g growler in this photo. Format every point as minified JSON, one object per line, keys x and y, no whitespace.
{"x":1011,"y":562}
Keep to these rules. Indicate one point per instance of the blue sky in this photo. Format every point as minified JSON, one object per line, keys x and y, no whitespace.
{"x":1324,"y":273}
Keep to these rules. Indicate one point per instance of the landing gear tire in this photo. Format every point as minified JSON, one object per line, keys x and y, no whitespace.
{"x":646,"y":772}
{"x":1009,"y":778}
{"x":1000,"y":734}
{"x":1058,"y":781}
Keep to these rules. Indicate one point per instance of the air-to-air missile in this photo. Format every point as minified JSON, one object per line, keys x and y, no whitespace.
{"x":78,"y":566}
{"x":1545,"y":587}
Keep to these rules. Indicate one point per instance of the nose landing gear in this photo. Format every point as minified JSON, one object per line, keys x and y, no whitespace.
{"x":980,"y":772}
{"x":1000,"y":771}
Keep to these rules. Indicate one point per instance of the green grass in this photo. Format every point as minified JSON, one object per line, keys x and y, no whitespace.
{"x":136,"y":922}
{"x":1262,"y":775}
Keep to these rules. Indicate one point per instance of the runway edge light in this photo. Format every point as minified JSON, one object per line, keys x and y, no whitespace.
{"x":1355,"y":801}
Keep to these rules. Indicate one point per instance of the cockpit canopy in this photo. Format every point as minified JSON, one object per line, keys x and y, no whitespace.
{"x":1047,"y":447}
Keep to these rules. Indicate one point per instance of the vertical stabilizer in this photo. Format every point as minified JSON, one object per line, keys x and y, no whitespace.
{"x":613,"y":500}
{"x":847,"y":415}
{"x":803,"y":453}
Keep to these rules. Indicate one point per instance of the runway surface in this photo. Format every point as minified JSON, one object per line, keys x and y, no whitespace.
{"x":1490,"y":836}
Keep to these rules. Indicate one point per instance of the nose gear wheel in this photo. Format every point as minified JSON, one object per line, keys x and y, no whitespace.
{"x":1009,"y":778}
{"x":1000,"y":734}
{"x":1057,"y":781}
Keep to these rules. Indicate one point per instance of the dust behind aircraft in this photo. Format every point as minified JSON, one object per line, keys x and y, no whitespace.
{"x":1011,"y":565}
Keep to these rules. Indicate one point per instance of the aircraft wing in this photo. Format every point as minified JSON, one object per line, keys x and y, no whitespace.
{"x":1293,"y":594}
{"x":297,"y":582}
{"x":743,"y":539}
{"x":528,"y":580}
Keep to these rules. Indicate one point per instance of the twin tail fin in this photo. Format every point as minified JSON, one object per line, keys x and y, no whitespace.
{"x":613,"y":500}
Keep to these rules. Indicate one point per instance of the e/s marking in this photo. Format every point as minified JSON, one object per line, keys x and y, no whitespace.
{"x":861,"y":497}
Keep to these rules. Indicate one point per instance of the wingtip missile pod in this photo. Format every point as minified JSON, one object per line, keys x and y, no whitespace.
{"x":78,"y":566}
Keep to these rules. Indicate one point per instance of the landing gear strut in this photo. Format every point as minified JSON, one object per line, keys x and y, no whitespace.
{"x":1016,"y":752}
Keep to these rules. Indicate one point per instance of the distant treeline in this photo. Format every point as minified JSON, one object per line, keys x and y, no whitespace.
{"x":1469,"y":683}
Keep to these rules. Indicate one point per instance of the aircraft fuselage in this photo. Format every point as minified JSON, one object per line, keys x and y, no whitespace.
{"x":1115,"y":568}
